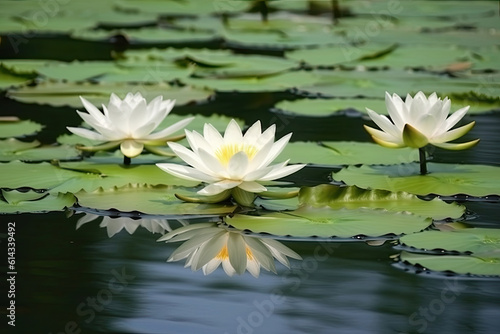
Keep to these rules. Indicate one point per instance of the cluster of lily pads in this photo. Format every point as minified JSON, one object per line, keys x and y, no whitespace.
{"x":232,"y":180}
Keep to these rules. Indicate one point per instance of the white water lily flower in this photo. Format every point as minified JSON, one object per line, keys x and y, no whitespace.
{"x":419,"y":121}
{"x":207,"y":246}
{"x":233,"y":161}
{"x":128,"y":123}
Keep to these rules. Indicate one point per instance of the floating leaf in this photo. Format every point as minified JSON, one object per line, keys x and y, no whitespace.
{"x":374,"y":84}
{"x":344,"y":153}
{"x":18,"y":128}
{"x":466,"y":264}
{"x":19,"y":202}
{"x":352,"y":197}
{"x":443,"y":179}
{"x":13,"y":149}
{"x":67,"y":94}
{"x":326,"y":222}
{"x":152,"y":200}
{"x":275,"y":83}
{"x":328,"y":107}
{"x":469,"y":240}
{"x":93,"y":176}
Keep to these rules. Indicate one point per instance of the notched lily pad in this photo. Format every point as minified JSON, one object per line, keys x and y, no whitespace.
{"x":33,"y":201}
{"x":352,"y":197}
{"x":484,"y":265}
{"x":327,"y":223}
{"x":59,"y":94}
{"x":443,"y":179}
{"x":12,"y":149}
{"x":17,"y":128}
{"x":468,"y":240}
{"x":151,"y":200}
{"x":344,"y":153}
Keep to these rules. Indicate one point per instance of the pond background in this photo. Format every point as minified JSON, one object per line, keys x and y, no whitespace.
{"x":347,"y":287}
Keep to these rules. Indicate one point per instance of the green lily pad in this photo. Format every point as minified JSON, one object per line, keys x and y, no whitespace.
{"x":344,"y":153}
{"x":352,"y":197}
{"x":328,"y":107}
{"x":151,"y":200}
{"x":469,"y":240}
{"x":18,"y":128}
{"x":33,"y":175}
{"x":274,"y":83}
{"x":93,"y":176}
{"x":466,"y":264}
{"x":12,"y":149}
{"x":182,"y":8}
{"x":31,"y":201}
{"x":67,"y":94}
{"x":147,"y":36}
{"x":326,"y":223}
{"x":374,"y":84}
{"x":9,"y":78}
{"x":339,"y":54}
{"x":443,"y":179}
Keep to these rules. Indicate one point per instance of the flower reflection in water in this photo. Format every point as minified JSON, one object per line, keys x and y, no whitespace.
{"x":207,"y":245}
{"x":115,"y":225}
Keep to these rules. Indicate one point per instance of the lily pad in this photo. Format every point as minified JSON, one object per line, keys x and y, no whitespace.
{"x":328,"y":107}
{"x":352,"y":197}
{"x":147,"y":36}
{"x":443,"y":179}
{"x":465,"y":264}
{"x":275,"y":83}
{"x":93,"y":176}
{"x":469,"y":240}
{"x":31,"y":201}
{"x":344,"y":153}
{"x":67,"y":94}
{"x":374,"y":84}
{"x":11,"y":79}
{"x":151,"y":200}
{"x":13,"y":149}
{"x":18,"y":128}
{"x":326,"y":223}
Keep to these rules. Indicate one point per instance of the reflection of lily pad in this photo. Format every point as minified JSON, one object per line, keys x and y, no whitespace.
{"x":18,"y":128}
{"x":466,"y":264}
{"x":326,"y":222}
{"x":30,"y":201}
{"x":159,"y":200}
{"x":13,"y":149}
{"x":345,"y":153}
{"x":355,"y":198}
{"x":443,"y":179}
{"x":473,"y":240}
{"x":67,"y":94}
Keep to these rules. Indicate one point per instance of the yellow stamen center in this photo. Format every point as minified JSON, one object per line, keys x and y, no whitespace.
{"x":224,"y":255}
{"x":225,"y":153}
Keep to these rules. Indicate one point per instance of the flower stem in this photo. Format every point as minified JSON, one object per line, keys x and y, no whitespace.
{"x":264,"y":10}
{"x":423,"y":162}
{"x":126,"y":160}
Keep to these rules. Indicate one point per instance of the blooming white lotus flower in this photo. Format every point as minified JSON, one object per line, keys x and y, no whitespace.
{"x":128,"y":123}
{"x":232,"y":164}
{"x":209,"y":245}
{"x":419,"y":121}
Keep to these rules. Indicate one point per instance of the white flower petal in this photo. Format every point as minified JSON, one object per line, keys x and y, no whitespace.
{"x":252,"y":187}
{"x":456,"y":117}
{"x":85,"y":133}
{"x":237,"y":166}
{"x":233,"y":132}
{"x":184,"y":172}
{"x":282,"y":172}
{"x":212,"y":136}
{"x":218,"y":187}
{"x":165,"y":133}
